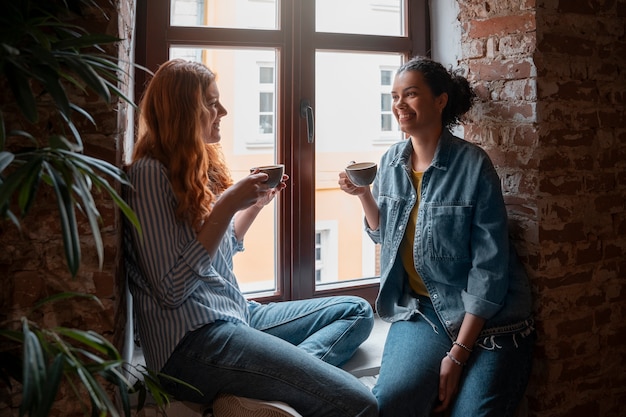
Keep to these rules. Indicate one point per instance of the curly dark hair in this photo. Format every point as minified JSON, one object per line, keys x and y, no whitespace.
{"x":461,"y":95}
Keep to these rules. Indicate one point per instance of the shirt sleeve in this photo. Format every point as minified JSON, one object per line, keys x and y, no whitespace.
{"x":172,"y":261}
{"x":488,"y":278}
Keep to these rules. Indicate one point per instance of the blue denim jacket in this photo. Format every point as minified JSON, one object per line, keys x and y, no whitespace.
{"x":461,"y":248}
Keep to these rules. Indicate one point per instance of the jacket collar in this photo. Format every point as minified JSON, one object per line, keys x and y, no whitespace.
{"x":442,"y":154}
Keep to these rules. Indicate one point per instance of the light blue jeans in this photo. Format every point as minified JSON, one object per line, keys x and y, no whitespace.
{"x":290,"y":353}
{"x":493,"y":380}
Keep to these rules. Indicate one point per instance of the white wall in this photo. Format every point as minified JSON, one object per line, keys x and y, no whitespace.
{"x":445,"y":32}
{"x":445,"y":37}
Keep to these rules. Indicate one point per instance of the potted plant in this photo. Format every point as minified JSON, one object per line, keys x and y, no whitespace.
{"x":47,"y":62}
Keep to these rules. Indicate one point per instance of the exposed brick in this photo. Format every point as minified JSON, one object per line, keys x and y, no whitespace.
{"x":600,"y":181}
{"x":569,"y":279}
{"x":519,"y":90}
{"x":602,"y":316}
{"x":591,"y":300}
{"x":570,"y":232}
{"x":519,"y":44}
{"x":561,"y":256}
{"x":502,"y":69}
{"x":501,"y":25}
{"x":510,"y":111}
{"x":619,"y":225}
{"x":611,"y":118}
{"x":585,"y":7}
{"x":561,"y":184}
{"x":473,"y":49}
{"x":575,"y":326}
{"x":577,"y":91}
{"x":610,"y":203}
{"x":554,"y":159}
{"x":564,"y":44}
{"x":105,"y":284}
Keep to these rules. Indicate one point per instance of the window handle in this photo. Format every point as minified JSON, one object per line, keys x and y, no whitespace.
{"x":307,"y":111}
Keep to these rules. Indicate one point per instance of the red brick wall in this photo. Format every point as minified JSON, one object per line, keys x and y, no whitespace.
{"x":32,"y":262}
{"x":551,"y":78}
{"x":552,"y":81}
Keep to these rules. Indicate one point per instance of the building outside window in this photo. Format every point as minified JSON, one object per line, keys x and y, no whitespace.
{"x":339,"y":62}
{"x":389,"y":130}
{"x":266,"y":102}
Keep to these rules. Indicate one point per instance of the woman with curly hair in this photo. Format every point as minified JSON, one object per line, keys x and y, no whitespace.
{"x":459,"y":300}
{"x":194,"y":323}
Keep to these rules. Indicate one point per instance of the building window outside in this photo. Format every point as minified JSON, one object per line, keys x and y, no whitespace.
{"x":389,"y":130}
{"x":262,"y":88}
{"x":326,"y":252}
{"x":266,"y":102}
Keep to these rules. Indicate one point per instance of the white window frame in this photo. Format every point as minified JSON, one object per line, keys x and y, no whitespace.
{"x":265,"y":140}
{"x":328,"y":264}
{"x":393,"y":135}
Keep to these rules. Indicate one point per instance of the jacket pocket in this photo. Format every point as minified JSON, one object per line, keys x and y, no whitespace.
{"x":449,"y":228}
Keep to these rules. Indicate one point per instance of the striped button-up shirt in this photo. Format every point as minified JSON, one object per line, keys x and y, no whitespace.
{"x":176,"y":286}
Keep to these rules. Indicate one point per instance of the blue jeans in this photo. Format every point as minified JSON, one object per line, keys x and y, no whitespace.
{"x":493,"y":380}
{"x":289,"y":353}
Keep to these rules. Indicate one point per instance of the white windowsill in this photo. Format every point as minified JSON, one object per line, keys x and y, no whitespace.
{"x":366,"y":360}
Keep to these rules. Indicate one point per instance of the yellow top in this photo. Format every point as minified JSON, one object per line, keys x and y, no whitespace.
{"x":406,"y":247}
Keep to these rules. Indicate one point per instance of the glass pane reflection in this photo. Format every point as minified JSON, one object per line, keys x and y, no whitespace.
{"x":248,"y":140}
{"x":235,"y":14}
{"x":375,"y":17}
{"x":353,"y":123}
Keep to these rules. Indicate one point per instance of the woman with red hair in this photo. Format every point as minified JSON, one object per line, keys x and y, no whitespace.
{"x":194,"y":323}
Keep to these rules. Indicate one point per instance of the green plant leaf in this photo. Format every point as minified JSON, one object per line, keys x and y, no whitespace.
{"x":84,"y":113}
{"x":83,"y":190}
{"x":29,"y":186}
{"x":23,"y":134}
{"x":57,"y":142}
{"x":3,"y":136}
{"x":91,"y":339}
{"x":19,"y":177}
{"x":125,"y":400}
{"x":33,"y":372}
{"x":67,"y":215}
{"x":64,"y":296}
{"x":90,"y":164}
{"x":97,"y":396}
{"x":49,"y":79}
{"x":13,"y":335}
{"x":85,"y":41}
{"x":89,"y":76}
{"x":121,"y":204}
{"x":53,"y":380}
{"x":5,"y":160}
{"x":22,"y":92}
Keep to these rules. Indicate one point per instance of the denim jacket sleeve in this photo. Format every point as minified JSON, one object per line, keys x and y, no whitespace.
{"x":461,"y":246}
{"x":487,"y":278}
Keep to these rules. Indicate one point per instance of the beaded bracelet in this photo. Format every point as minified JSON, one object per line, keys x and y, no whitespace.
{"x":462,"y":345}
{"x":455,"y":360}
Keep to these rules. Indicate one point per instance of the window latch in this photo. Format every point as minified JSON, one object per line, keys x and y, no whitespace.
{"x":306,"y":111}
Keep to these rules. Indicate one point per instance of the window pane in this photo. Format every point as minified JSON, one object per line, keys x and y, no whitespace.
{"x":374,"y":17}
{"x":266,"y":75}
{"x":237,"y":72}
{"x":385,"y":122}
{"x":348,"y":128}
{"x":238,"y":14}
{"x":266,"y":102}
{"x":386,"y":77}
{"x":266,"y":124}
{"x":385,"y":102}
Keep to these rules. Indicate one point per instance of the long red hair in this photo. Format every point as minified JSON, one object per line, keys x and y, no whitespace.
{"x":170,"y":130}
